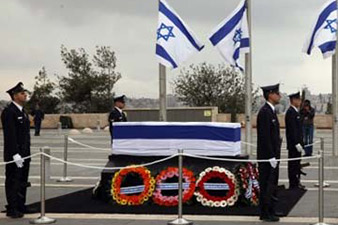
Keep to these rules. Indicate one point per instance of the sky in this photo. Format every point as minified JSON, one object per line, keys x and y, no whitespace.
{"x":32,"y":32}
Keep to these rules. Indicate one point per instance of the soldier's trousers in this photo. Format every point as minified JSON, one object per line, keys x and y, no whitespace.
{"x":268,"y":182}
{"x":294,"y":168}
{"x":16,"y":185}
{"x":37,"y":127}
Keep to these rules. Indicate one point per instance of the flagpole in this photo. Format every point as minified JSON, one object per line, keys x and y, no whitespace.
{"x":335,"y":99}
{"x":162,"y":90}
{"x":163,"y":93}
{"x":248,"y":87}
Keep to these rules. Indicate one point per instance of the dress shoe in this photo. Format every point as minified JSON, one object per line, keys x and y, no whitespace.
{"x":29,"y":210}
{"x":302,"y":173}
{"x":14,"y":214}
{"x":270,"y":218}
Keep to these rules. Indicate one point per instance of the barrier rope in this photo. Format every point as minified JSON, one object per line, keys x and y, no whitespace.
{"x":87,"y":146}
{"x":305,"y":146}
{"x":250,"y":160}
{"x":24,"y":158}
{"x":162,"y":160}
{"x":109,"y":168}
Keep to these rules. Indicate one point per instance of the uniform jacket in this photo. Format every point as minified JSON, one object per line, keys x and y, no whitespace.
{"x":16,"y":127}
{"x":268,"y":136}
{"x":38,"y":115}
{"x":307,"y":116}
{"x":116,"y":116}
{"x":293,"y":125}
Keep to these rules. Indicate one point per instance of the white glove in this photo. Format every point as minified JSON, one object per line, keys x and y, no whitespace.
{"x":18,"y":160}
{"x":299,"y":148}
{"x":273,"y":162}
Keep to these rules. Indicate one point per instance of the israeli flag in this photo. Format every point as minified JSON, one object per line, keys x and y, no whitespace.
{"x":231,"y":36}
{"x":323,"y":34}
{"x":175,"y":41}
{"x":164,"y":138}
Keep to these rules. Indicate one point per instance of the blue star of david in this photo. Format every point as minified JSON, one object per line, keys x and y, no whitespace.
{"x":330,"y":26}
{"x":165,"y":32}
{"x":237,"y":36}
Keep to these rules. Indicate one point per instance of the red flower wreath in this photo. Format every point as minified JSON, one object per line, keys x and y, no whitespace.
{"x":207,"y":199}
{"x":123,"y":199}
{"x":171,"y":172}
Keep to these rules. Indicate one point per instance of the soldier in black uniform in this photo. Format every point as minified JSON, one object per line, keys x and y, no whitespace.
{"x":294,"y":138}
{"x":38,"y":115}
{"x":268,"y":148}
{"x":117,"y":115}
{"x":16,"y":127}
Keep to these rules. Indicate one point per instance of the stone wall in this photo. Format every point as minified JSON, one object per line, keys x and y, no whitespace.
{"x":320,"y":121}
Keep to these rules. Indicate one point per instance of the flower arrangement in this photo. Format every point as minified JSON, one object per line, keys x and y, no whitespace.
{"x":227,"y":178}
{"x":248,"y":177}
{"x":165,"y":175}
{"x":147,"y":188}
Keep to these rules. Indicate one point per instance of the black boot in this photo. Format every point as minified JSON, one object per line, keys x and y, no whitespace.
{"x":14,"y":214}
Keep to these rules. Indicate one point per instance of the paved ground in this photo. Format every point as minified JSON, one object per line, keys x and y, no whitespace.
{"x":305,"y":212}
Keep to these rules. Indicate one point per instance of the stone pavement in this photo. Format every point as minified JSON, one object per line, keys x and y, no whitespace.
{"x":305,"y":212}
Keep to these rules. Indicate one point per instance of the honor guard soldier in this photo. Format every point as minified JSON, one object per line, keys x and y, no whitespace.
{"x":16,"y":127}
{"x":117,"y":115}
{"x":38,"y":115}
{"x":294,"y":138}
{"x":268,"y":148}
{"x":307,"y":114}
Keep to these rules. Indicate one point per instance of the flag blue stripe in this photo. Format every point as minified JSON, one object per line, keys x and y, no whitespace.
{"x":177,"y":132}
{"x":236,"y":57}
{"x":228,"y":27}
{"x":245,"y":43}
{"x":160,"y":51}
{"x":239,"y":67}
{"x":327,"y":46}
{"x":174,"y":19}
{"x":322,"y":17}
{"x":236,"y":54}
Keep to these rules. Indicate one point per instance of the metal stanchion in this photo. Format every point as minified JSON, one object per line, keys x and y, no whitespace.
{"x":59,"y":128}
{"x":98,"y":125}
{"x":47,"y":164}
{"x":325,"y":184}
{"x":180,"y":220}
{"x":321,"y":185}
{"x":65,"y":156}
{"x":42,"y":219}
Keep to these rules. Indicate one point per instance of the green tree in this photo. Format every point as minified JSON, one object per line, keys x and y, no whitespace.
{"x":88,"y":86}
{"x":43,"y":94}
{"x":208,"y":85}
{"x":105,"y":77}
{"x":76,"y":88}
